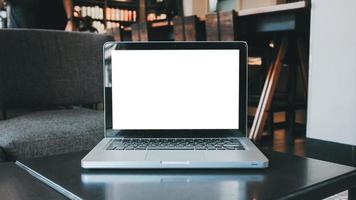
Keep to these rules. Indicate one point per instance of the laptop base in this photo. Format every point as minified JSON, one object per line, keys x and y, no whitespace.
{"x":101,"y":158}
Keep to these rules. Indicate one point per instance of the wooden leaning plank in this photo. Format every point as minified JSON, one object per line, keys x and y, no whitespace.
{"x":262,"y":97}
{"x":268,"y":92}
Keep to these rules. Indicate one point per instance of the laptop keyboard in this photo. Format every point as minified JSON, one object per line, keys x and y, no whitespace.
{"x":175,"y":144}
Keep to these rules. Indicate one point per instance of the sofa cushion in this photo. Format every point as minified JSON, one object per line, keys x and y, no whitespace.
{"x":51,"y":132}
{"x":2,"y":155}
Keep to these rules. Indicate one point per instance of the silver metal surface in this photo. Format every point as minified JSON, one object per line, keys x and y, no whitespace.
{"x":99,"y":157}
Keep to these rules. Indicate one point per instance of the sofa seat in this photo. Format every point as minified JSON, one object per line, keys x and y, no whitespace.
{"x":51,"y":132}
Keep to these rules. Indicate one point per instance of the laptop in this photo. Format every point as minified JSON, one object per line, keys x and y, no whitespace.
{"x":175,"y":105}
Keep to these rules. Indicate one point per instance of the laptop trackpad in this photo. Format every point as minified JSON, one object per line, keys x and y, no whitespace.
{"x":175,"y":156}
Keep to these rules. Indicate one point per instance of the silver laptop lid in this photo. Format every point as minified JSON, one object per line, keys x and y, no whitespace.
{"x":175,"y":87}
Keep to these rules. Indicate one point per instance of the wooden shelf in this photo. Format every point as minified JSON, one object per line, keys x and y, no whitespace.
{"x":275,"y":8}
{"x":110,"y":3}
{"x":160,"y":23}
{"x":120,"y":4}
{"x":124,"y":23}
{"x":89,"y":2}
{"x":80,"y":18}
{"x":119,"y":21}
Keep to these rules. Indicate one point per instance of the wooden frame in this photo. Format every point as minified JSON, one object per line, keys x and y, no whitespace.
{"x":268,"y":92}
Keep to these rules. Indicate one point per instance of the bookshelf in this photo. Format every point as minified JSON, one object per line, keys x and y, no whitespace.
{"x":158,"y":10}
{"x":155,"y":10}
{"x":107,"y":13}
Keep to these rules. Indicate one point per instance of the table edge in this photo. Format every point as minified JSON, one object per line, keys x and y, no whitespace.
{"x":346,"y":178}
{"x":48,"y":182}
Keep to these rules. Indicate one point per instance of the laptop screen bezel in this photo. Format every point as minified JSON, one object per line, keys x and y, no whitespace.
{"x":236,"y":45}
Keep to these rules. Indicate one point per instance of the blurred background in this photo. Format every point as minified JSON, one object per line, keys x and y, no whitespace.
{"x":282,"y":35}
{"x":270,"y":27}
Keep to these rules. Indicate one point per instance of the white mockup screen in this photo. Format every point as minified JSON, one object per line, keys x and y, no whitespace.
{"x":175,"y":89}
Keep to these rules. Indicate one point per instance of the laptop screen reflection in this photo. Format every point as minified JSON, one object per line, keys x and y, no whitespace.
{"x":173,"y":186}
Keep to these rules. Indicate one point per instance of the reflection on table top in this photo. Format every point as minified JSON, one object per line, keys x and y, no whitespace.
{"x":156,"y":186}
{"x":15,"y":183}
{"x":287,"y":177}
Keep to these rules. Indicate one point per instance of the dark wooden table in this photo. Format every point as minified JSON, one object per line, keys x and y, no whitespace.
{"x":15,"y":183}
{"x":288,"y":177}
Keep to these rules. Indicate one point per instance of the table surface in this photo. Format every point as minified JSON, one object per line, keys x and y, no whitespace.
{"x":288,"y":177}
{"x":15,"y":183}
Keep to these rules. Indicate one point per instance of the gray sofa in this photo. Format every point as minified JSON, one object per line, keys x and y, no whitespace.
{"x":47,"y":78}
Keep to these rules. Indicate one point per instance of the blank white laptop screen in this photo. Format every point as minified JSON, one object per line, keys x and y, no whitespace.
{"x":175,"y":89}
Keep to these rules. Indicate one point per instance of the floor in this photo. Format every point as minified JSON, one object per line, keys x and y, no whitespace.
{"x":282,"y":142}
